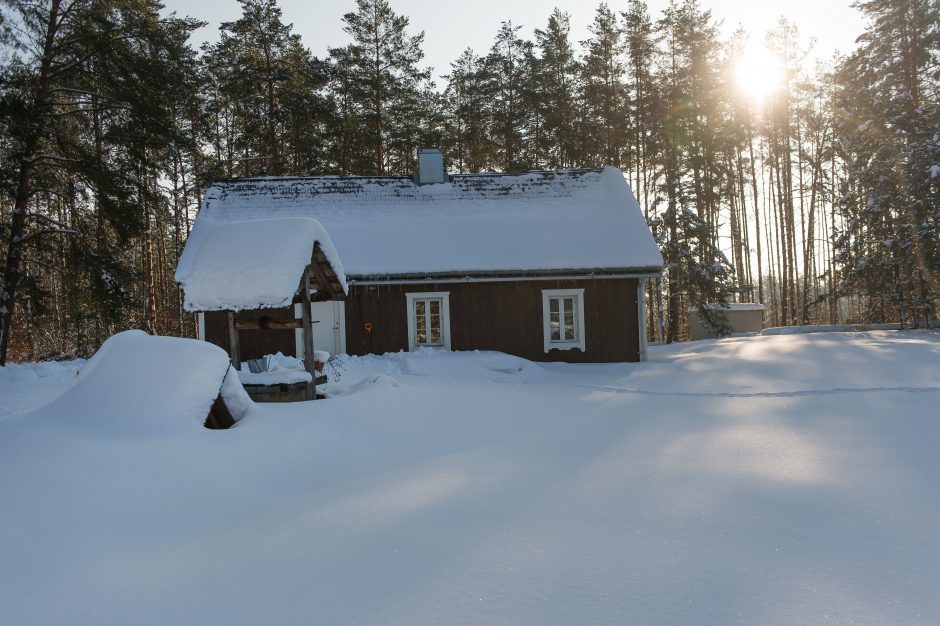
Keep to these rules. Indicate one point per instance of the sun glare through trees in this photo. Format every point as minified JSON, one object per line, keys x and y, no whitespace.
{"x":758,"y":72}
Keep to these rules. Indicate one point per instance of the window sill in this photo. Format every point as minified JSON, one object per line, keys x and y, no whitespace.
{"x":564,"y":346}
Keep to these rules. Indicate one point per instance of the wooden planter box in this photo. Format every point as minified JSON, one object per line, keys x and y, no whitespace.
{"x":282,"y":392}
{"x":286,"y":392}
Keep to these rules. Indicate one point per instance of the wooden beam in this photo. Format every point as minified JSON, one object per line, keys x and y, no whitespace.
{"x":323,"y":283}
{"x":233,"y":348}
{"x":326,"y":276}
{"x":308,"y":331}
{"x":268,"y":323}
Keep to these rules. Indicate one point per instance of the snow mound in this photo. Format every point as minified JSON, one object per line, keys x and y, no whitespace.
{"x":472,"y":364}
{"x":428,"y":362}
{"x":139,"y":386}
{"x":376,"y":381}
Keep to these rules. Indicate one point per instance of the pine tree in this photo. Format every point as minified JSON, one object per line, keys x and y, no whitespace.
{"x":640,"y":46}
{"x":507,"y":65}
{"x":382,"y":81}
{"x":698,"y":272}
{"x":349,"y":128}
{"x":603,"y":93}
{"x":89,"y":89}
{"x":113,"y":127}
{"x":468,"y":110}
{"x":267,"y":88}
{"x":555,"y":92}
{"x":888,"y":131}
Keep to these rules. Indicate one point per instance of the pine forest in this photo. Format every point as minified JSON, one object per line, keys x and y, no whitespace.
{"x":820,"y":200}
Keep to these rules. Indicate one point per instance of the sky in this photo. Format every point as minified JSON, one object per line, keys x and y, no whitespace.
{"x":450,"y":27}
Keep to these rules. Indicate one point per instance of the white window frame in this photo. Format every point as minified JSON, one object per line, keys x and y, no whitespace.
{"x":578,"y":295}
{"x":445,"y":318}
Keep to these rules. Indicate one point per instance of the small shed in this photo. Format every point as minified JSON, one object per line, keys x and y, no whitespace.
{"x":252,"y":273}
{"x":743,"y":317}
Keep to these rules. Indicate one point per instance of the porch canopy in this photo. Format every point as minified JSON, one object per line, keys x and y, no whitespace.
{"x":258,"y":264}
{"x":261,"y":264}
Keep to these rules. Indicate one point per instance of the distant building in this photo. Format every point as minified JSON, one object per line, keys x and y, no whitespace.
{"x":743,"y":317}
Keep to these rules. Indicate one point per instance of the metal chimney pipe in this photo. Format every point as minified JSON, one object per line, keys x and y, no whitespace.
{"x":430,"y":166}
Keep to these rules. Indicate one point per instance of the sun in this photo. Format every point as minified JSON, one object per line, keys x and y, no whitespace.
{"x":758,"y":72}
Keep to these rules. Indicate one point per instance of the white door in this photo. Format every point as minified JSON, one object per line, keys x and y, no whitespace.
{"x":329,"y":327}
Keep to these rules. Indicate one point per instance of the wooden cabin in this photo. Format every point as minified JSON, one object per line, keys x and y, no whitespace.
{"x":549,"y":266}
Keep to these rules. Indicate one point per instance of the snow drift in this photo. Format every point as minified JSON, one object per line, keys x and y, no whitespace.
{"x":754,"y":480}
{"x":138,"y":385}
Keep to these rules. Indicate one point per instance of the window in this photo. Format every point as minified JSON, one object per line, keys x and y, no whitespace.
{"x":563,"y":319}
{"x":428,"y":320}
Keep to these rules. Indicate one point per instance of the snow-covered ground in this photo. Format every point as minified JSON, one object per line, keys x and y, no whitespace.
{"x":758,"y":480}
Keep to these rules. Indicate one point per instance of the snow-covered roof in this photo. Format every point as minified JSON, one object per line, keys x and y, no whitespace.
{"x":474,"y":224}
{"x":731,"y":306}
{"x":251,"y":263}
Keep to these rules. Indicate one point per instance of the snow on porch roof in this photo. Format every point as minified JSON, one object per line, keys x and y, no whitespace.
{"x":251,"y":264}
{"x":580,"y":220}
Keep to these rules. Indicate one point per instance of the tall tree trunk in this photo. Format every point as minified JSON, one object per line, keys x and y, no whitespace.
{"x":673,"y":272}
{"x":760,"y":270}
{"x":150,"y":313}
{"x":11,"y":269}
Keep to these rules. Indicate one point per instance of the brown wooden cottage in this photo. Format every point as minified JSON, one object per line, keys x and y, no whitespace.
{"x":549,"y":266}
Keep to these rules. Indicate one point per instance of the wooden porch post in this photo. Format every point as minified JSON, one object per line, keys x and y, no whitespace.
{"x":234,"y":351}
{"x":308,"y":333}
